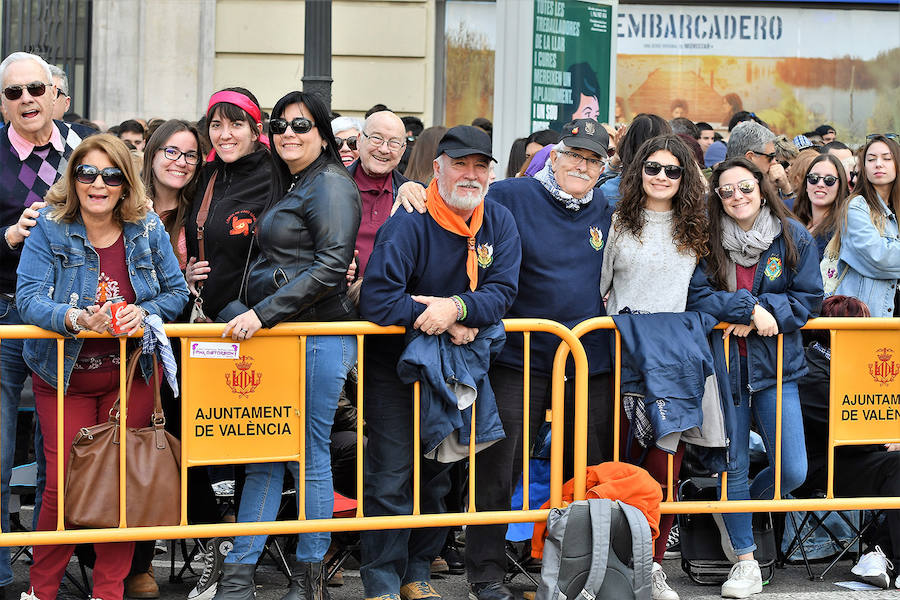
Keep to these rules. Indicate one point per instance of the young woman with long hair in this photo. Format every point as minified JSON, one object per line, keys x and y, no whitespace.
{"x":821,"y":198}
{"x":762,"y":276}
{"x":869,"y":240}
{"x":659,"y":232}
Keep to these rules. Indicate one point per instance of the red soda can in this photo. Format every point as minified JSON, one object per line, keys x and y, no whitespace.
{"x":118,"y":303}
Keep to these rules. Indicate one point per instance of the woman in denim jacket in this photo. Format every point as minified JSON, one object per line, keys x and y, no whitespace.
{"x":762,"y":276}
{"x":869,"y":240}
{"x":95,"y":241}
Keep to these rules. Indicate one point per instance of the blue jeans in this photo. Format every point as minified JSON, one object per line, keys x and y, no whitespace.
{"x":394,"y":557}
{"x":13,"y":373}
{"x":793,"y":449}
{"x":328,"y":359}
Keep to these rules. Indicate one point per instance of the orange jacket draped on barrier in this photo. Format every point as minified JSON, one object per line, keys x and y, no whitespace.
{"x":616,"y":481}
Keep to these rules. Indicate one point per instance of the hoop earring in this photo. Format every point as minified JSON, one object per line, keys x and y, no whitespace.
{"x":764,"y":201}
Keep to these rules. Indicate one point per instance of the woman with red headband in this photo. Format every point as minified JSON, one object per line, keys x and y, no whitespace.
{"x":231,"y":195}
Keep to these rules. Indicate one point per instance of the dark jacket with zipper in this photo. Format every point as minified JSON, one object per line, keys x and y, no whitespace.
{"x":240,"y":193}
{"x":305,"y":245}
{"x":792,"y":296}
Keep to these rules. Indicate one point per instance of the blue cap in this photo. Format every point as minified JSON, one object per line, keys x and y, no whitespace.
{"x":715,"y":153}
{"x":802,"y":142}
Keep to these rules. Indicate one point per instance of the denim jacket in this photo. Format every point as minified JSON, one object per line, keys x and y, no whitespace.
{"x":59,"y":269}
{"x":873,"y":258}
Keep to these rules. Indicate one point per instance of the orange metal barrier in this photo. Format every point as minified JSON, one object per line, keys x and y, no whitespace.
{"x":846,"y":355}
{"x":194,"y":453}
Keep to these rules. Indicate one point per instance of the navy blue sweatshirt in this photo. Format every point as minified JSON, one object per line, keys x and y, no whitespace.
{"x":413,"y":255}
{"x":562,"y":253}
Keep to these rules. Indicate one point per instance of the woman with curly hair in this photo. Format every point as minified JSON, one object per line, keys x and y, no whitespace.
{"x":659,"y":231}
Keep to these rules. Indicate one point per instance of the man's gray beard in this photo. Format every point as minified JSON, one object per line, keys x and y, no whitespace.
{"x":459,"y":202}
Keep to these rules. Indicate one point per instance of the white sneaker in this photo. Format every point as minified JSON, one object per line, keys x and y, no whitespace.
{"x":660,"y":590}
{"x":744,"y":580}
{"x":29,"y":595}
{"x":873,"y":568}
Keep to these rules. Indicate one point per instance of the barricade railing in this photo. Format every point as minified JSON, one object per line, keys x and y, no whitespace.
{"x":853,"y":346}
{"x":204,"y":341}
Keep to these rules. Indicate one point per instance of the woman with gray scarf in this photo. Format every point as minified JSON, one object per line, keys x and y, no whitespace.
{"x":762,"y":276}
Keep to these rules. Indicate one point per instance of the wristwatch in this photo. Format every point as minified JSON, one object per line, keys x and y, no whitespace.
{"x":74,"y":313}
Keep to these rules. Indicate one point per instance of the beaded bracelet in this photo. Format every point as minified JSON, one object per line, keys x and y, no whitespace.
{"x":461,"y":311}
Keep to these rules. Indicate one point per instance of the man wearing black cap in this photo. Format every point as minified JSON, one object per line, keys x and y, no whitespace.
{"x":563,"y":222}
{"x":448,"y":273}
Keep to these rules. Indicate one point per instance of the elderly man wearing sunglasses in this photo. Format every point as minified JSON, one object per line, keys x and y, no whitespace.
{"x":757,"y":144}
{"x":33,"y":153}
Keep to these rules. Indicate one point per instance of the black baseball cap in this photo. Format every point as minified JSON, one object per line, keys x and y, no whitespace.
{"x":464,"y":140}
{"x":586,"y":134}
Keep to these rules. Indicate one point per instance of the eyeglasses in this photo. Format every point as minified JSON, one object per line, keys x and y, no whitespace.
{"x":770,"y":155}
{"x":871,"y":136}
{"x":393,"y":144}
{"x":813,"y":179}
{"x":298,"y":125}
{"x":652,"y":169}
{"x":191,"y":157}
{"x":112,"y":176}
{"x":350,"y":141}
{"x":726,"y":192}
{"x":591,"y":162}
{"x":35,"y":88}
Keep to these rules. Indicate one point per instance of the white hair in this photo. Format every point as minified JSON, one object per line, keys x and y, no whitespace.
{"x":344,"y":123}
{"x":63,"y":84}
{"x":20,"y":56}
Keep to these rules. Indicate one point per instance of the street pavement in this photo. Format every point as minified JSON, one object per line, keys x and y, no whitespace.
{"x":790,"y":583}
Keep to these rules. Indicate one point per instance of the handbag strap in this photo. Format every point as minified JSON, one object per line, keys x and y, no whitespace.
{"x":201,"y":218}
{"x":158,"y":417}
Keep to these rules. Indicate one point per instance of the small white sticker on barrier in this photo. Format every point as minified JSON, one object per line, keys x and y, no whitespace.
{"x":215,"y":350}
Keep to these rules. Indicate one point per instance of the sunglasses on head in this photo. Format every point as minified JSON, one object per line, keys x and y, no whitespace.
{"x":652,"y":169}
{"x":726,"y":192}
{"x":350,"y":141}
{"x":35,"y":88}
{"x":112,"y":176}
{"x":813,"y":179}
{"x":298,"y":124}
{"x":871,"y":136}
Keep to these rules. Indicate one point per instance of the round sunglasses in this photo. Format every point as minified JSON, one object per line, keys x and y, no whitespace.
{"x":813,"y":179}
{"x":350,"y":141}
{"x":726,"y":192}
{"x":652,"y":169}
{"x":299,"y":125}
{"x":112,"y":176}
{"x":35,"y":88}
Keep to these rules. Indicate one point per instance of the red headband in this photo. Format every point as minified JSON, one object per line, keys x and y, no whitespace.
{"x":242,"y":102}
{"x":239,"y":100}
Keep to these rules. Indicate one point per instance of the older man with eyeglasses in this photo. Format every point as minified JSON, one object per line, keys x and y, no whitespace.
{"x":380,"y":146}
{"x":757,"y":143}
{"x":33,"y":154}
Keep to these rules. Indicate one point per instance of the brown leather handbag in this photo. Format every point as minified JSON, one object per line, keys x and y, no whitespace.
{"x":153,"y":470}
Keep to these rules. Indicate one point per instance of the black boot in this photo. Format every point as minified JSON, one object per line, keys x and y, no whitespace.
{"x":307,"y":582}
{"x":236,"y":583}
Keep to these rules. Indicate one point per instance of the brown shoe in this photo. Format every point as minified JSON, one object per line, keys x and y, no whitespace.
{"x":439,"y":566}
{"x":142,"y":585}
{"x":418,"y":590}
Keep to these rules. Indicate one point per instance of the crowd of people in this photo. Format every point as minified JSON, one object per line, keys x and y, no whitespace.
{"x":252,"y":219}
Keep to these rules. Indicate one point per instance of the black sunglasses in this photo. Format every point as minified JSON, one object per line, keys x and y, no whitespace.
{"x":813,"y":179}
{"x":112,"y":176}
{"x":298,"y":124}
{"x":350,"y":141}
{"x":652,"y":169}
{"x":871,"y":136}
{"x":35,"y":88}
{"x":770,"y":155}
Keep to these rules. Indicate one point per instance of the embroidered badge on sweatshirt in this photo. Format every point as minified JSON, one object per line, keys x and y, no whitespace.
{"x":485,"y":254}
{"x":773,"y":268}
{"x":596,"y":238}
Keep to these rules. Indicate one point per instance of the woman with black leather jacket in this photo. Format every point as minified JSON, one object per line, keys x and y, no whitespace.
{"x":237,"y":179}
{"x":306,"y":239}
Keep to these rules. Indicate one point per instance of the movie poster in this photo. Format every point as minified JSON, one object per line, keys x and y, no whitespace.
{"x":796,"y":68}
{"x":571,"y":66}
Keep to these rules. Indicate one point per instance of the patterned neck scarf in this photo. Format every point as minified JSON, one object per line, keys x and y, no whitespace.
{"x":548,"y":180}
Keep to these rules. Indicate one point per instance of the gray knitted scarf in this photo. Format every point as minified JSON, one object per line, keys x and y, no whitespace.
{"x":745,"y":247}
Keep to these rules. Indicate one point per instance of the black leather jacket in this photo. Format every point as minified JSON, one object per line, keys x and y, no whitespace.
{"x":306,"y":243}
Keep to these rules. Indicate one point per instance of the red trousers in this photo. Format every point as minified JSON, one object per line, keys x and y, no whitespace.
{"x":87,"y":402}
{"x":657,"y":464}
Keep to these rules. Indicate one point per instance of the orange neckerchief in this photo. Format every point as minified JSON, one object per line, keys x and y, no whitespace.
{"x":453,"y":223}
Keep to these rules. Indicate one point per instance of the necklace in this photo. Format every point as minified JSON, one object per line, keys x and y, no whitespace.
{"x":106,"y":238}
